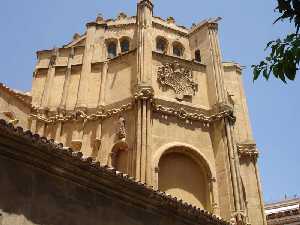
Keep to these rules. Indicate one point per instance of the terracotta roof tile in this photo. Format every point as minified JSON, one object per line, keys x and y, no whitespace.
{"x":25,"y":98}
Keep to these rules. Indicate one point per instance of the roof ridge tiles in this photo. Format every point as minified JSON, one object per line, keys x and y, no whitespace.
{"x":23,"y":97}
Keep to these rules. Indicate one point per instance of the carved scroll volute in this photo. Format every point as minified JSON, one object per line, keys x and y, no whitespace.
{"x":178,"y":78}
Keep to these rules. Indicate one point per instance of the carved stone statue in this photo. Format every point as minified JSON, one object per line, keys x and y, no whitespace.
{"x":121,"y":128}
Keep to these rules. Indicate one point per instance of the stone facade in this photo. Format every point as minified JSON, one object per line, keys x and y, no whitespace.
{"x":286,"y":212}
{"x":155,"y":101}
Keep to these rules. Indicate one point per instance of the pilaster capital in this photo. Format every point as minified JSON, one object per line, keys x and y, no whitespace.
{"x":212,"y":25}
{"x":225,"y":107}
{"x":144,"y":92}
{"x":247,"y":150}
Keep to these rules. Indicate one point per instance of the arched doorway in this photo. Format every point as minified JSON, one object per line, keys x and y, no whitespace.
{"x":119,"y":157}
{"x":185,"y":174}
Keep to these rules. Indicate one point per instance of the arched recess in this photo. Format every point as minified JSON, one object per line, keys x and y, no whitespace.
{"x":162,"y":44}
{"x":182,"y":171}
{"x":111,"y":48}
{"x":178,"y":49}
{"x":125,"y":43}
{"x":119,"y":157}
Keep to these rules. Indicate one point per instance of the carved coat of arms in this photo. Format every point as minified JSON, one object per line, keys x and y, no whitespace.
{"x":177,"y":77}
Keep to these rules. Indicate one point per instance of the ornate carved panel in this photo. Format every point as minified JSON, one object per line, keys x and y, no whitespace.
{"x":178,"y":78}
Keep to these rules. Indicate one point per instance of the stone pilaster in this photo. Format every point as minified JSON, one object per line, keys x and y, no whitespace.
{"x":49,"y":79}
{"x":141,"y":160}
{"x":86,"y":66}
{"x":222,"y":101}
{"x":144,"y":45}
{"x":62,"y":105}
{"x":101,"y":101}
{"x":143,"y":92}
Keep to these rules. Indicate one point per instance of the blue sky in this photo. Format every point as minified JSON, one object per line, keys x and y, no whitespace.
{"x":31,"y":25}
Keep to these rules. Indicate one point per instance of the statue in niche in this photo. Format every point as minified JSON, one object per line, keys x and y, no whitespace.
{"x":177,"y":77}
{"x":121,"y":132}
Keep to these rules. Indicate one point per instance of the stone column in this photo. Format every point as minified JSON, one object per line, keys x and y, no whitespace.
{"x":86,"y":66}
{"x":143,"y":93}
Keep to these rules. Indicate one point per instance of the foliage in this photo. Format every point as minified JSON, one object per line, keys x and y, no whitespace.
{"x":284,"y":58}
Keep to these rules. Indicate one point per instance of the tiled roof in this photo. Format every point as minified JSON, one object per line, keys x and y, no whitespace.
{"x":25,"y":98}
{"x":161,"y":199}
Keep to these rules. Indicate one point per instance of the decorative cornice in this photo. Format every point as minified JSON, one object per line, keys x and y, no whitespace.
{"x":73,"y":164}
{"x":80,"y":115}
{"x":185,"y":114}
{"x":247,"y":150}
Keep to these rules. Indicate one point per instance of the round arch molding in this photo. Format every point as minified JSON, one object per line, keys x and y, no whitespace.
{"x":194,"y":160}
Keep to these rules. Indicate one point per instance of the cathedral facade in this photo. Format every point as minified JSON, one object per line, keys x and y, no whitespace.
{"x":153,"y":100}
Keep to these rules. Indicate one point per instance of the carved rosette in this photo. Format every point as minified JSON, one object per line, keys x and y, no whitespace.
{"x":178,"y":78}
{"x":144,"y":92}
{"x":247,"y":151}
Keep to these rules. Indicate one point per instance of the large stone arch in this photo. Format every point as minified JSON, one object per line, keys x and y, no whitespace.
{"x":188,"y":152}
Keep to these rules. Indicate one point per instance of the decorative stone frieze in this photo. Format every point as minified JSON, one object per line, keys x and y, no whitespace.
{"x":247,"y":151}
{"x":80,"y":115}
{"x":184,"y":114}
{"x":178,"y":78}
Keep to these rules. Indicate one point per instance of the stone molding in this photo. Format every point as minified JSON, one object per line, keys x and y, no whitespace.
{"x":69,"y":164}
{"x":184,"y":113}
{"x":80,"y":115}
{"x":247,"y":151}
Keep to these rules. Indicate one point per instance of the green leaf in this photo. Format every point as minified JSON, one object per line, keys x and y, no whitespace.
{"x":266,"y":74}
{"x":256,"y":73}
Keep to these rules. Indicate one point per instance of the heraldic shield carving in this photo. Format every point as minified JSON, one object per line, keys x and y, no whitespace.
{"x":177,"y":77}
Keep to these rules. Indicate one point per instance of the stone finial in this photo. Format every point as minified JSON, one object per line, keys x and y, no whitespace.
{"x":170,"y":19}
{"x":99,"y":18}
{"x":121,"y":16}
{"x":76,"y":36}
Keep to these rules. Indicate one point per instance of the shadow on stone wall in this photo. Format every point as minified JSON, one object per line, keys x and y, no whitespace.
{"x":30,"y":196}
